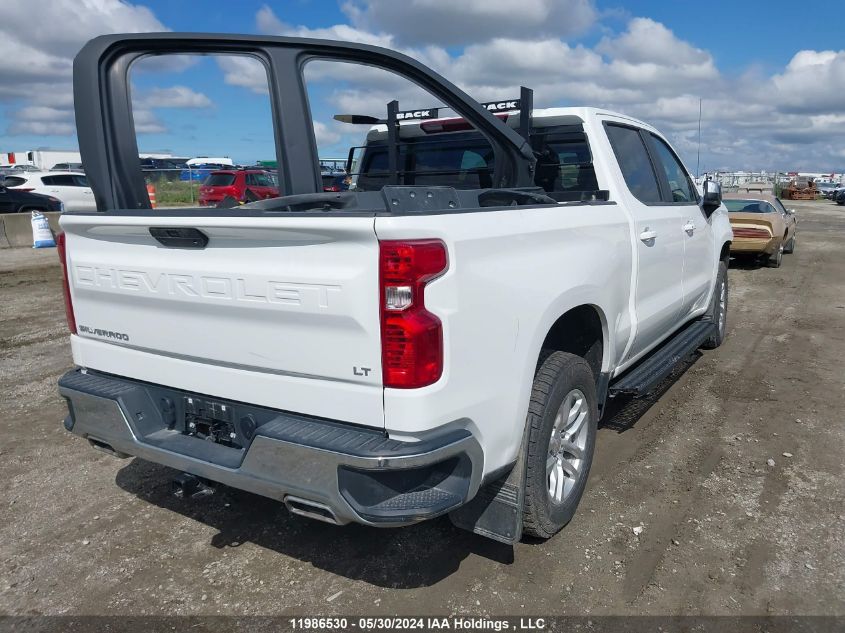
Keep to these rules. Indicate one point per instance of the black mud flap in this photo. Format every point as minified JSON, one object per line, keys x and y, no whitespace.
{"x":496,"y":511}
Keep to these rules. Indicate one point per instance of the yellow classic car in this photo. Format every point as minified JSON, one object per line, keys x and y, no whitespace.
{"x":762,"y":227}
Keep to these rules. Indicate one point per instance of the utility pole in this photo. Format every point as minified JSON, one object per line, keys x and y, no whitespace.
{"x":698,"y":155}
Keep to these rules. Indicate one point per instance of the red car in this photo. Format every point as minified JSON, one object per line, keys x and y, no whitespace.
{"x":235,"y":183}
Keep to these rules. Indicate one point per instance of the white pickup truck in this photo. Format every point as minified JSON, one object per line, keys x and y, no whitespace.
{"x":432,"y":341}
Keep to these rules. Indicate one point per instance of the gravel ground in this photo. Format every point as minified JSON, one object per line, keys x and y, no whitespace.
{"x":725,"y":531}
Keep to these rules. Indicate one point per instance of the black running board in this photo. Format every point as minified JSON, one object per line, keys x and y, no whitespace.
{"x":643,"y":378}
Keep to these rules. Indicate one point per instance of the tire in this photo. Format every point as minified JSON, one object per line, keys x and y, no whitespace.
{"x":563,"y":385}
{"x":718,"y":311}
{"x":31,"y":209}
{"x":790,"y":246}
{"x":775,"y":260}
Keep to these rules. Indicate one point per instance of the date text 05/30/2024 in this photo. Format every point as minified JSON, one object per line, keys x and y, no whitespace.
{"x":417,"y":623}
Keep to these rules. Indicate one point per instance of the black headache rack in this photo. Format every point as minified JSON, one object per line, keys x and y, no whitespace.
{"x":525,"y":104}
{"x":400,"y":168}
{"x":109,"y":148}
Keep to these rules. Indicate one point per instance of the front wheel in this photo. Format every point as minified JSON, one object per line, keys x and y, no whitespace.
{"x":562,"y":420}
{"x":718,"y":311}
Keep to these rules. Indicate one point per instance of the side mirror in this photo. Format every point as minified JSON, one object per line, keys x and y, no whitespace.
{"x":712,"y":198}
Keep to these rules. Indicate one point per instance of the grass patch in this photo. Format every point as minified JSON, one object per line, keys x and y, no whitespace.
{"x":176,"y":193}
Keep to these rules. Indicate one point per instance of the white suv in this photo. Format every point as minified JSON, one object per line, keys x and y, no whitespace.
{"x":69,"y":187}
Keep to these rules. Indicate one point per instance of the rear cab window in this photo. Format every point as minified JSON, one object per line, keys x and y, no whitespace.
{"x":464,"y":160}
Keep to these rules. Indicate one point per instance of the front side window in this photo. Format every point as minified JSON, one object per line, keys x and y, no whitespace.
{"x":680,"y":187}
{"x":634,"y":161}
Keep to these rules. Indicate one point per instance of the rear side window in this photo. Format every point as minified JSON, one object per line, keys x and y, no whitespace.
{"x":220,"y":180}
{"x":634,"y":161}
{"x":59,"y":181}
{"x":564,"y":164}
{"x":80,"y":181}
{"x":259,"y":180}
{"x":680,"y":187}
{"x":14,"y":181}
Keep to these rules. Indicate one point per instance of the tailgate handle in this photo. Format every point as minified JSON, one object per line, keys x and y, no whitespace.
{"x":179,"y":236}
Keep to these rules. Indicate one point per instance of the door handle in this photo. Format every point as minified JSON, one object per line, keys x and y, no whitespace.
{"x":647,"y":235}
{"x":689,"y":227}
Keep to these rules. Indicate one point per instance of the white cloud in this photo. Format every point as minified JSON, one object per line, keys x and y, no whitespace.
{"x":813,"y":81}
{"x":267,"y":22}
{"x":42,"y":128}
{"x":38,"y":40}
{"x":172,"y":97}
{"x":324,"y":135}
{"x":647,"y":41}
{"x":244,"y":72}
{"x":460,"y":22}
{"x":146,"y":122}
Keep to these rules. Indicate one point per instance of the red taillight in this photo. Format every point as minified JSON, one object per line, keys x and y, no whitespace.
{"x":24,"y":189}
{"x":752,"y":233}
{"x":331,"y":188}
{"x":411,"y":336}
{"x":60,"y":246}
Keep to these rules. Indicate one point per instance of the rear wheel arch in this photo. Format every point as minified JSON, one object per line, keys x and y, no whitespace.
{"x":581,"y":331}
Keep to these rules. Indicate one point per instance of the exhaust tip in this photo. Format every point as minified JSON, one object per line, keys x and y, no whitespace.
{"x":311,"y":509}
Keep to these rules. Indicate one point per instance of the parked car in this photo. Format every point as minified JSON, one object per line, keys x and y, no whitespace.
{"x":839,"y":196}
{"x":17,"y":201}
{"x":200,"y":171}
{"x":823,"y":188}
{"x":335,"y":181}
{"x":75,"y":167}
{"x":19,"y":167}
{"x":396,"y":352}
{"x":69,"y":187}
{"x":236,"y":183}
{"x":762,"y":227}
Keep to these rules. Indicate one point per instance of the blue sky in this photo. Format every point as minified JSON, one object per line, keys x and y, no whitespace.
{"x":771,"y":74}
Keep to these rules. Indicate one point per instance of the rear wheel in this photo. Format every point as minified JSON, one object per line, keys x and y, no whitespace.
{"x":31,"y":209}
{"x":776,"y":259}
{"x":790,"y":245}
{"x":562,"y":419}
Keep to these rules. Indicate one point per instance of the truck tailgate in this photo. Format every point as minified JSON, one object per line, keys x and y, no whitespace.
{"x":289,"y":304}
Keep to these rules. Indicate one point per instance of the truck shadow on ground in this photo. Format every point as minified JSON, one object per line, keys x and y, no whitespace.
{"x":402,"y":558}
